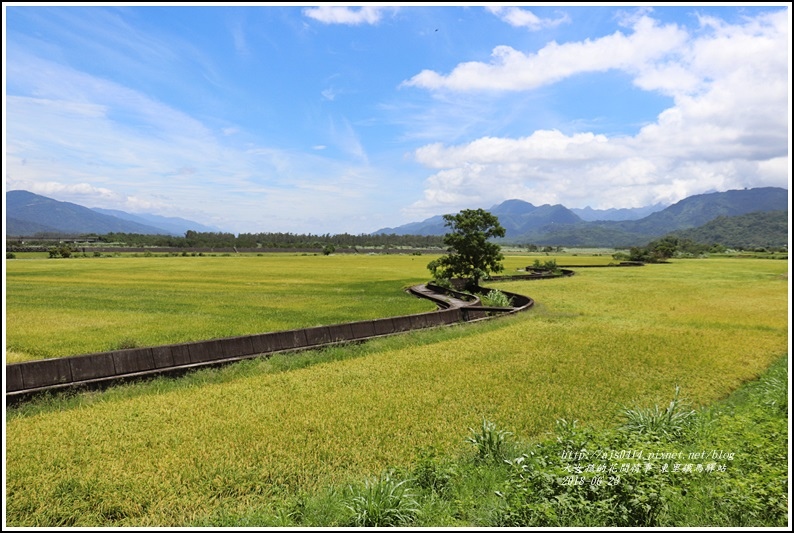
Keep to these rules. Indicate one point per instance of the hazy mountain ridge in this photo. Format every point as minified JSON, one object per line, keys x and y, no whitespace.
{"x":28,"y":213}
{"x":174,"y":225}
{"x":516,"y":216}
{"x":588,"y":214}
{"x":560,"y":226}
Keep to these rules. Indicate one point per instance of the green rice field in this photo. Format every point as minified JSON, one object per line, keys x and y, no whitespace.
{"x":221,"y":443}
{"x":62,"y":307}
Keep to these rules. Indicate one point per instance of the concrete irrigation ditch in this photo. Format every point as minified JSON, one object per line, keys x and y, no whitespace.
{"x":98,"y":370}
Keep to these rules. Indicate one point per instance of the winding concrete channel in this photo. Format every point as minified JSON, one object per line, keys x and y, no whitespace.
{"x":99,"y":370}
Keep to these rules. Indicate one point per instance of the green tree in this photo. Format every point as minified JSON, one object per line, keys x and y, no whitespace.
{"x":664,"y":248}
{"x":470,"y":256}
{"x":62,"y":251}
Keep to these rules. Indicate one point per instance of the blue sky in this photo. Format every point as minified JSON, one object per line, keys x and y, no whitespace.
{"x":331,"y":119}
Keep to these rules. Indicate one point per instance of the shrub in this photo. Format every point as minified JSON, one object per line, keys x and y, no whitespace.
{"x":430,"y":474}
{"x":496,"y":298}
{"x":546,"y":266}
{"x":578,"y":481}
{"x":443,"y":283}
{"x":62,"y":251}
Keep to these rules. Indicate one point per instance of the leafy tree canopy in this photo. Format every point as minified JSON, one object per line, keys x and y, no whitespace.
{"x":470,"y":256}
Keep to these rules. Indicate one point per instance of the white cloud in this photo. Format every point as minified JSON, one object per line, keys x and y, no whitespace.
{"x":523,"y":18}
{"x":541,"y":145}
{"x":513,"y":70}
{"x":46,"y":188}
{"x":345,"y":15}
{"x":108,"y":146}
{"x":728,"y":128}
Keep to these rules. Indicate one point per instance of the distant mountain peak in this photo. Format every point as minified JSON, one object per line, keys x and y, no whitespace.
{"x":513,"y":205}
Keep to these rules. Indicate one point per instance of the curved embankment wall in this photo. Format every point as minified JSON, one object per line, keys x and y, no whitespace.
{"x":101,"y":369}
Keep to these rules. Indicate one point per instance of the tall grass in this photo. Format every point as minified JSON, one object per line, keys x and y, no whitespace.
{"x":382,"y":502}
{"x":492,"y":443}
{"x":671,"y":421}
{"x":174,"y":455}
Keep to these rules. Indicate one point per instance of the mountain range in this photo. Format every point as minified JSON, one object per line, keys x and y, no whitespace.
{"x":28,"y":214}
{"x":559,"y":226}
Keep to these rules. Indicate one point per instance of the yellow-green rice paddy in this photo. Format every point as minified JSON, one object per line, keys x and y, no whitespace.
{"x":170,"y":455}
{"x":69,"y":307}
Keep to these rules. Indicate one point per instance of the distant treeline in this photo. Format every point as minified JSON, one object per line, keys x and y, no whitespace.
{"x":195,"y":239}
{"x":753,"y":231}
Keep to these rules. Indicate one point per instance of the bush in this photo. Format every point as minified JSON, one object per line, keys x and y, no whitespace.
{"x":546,"y":266}
{"x":496,"y":298}
{"x":430,"y":474}
{"x":579,"y":481}
{"x":62,"y":251}
{"x":443,"y":283}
